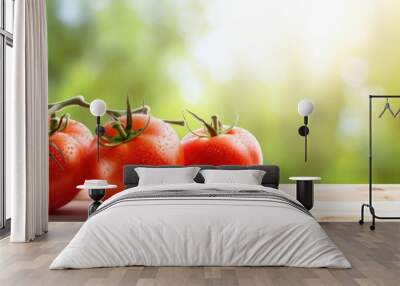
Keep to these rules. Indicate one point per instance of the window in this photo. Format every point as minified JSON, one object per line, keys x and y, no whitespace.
{"x":6,"y":44}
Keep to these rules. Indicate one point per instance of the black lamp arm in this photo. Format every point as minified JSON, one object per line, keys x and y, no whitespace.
{"x":100,"y":131}
{"x":303,"y":131}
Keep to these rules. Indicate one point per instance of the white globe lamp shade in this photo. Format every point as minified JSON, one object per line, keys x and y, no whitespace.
{"x":98,"y":107}
{"x":305,"y":107}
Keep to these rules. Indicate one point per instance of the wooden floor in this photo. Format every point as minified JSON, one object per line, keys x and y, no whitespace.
{"x":375,"y":257}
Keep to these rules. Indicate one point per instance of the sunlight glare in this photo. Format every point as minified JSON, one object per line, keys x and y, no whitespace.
{"x":258,"y":36}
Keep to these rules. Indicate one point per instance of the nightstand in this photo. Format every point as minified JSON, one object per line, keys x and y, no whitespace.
{"x":305,"y":190}
{"x":96,"y":193}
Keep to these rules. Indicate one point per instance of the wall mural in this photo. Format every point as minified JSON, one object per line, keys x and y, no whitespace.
{"x":190,"y":60}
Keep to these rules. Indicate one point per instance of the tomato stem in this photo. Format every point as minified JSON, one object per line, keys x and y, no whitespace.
{"x":214,"y":123}
{"x":210,"y":129}
{"x":215,"y":128}
{"x":53,"y":121}
{"x":175,"y":122}
{"x":118,"y":127}
{"x":128,"y":126}
{"x":79,"y":100}
{"x":58,"y":124}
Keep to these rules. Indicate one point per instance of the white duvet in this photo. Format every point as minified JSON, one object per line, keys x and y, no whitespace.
{"x":200,"y":231}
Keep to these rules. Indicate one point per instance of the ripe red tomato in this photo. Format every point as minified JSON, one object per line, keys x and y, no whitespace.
{"x":157,"y":145}
{"x":236,"y":147}
{"x":217,"y":144}
{"x":67,"y":150}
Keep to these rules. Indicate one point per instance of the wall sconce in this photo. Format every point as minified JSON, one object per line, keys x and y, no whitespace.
{"x":98,"y":108}
{"x":305,"y":108}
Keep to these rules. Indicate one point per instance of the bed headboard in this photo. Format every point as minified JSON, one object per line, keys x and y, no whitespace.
{"x":270,"y":179}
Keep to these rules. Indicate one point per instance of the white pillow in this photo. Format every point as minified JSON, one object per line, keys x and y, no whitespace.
{"x":248,"y":177}
{"x":165,"y":176}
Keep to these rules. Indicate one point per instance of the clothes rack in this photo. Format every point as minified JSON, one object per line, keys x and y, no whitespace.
{"x":370,"y":183}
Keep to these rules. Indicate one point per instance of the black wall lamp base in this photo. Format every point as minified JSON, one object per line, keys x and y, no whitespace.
{"x":100,"y":131}
{"x":304,"y":131}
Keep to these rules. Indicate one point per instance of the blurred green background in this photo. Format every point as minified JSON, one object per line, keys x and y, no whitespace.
{"x":256,"y":58}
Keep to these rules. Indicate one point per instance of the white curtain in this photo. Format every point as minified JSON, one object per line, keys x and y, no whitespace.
{"x":27,"y":132}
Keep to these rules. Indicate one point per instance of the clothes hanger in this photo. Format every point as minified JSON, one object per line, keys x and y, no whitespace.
{"x":397,"y":113}
{"x":387,"y":107}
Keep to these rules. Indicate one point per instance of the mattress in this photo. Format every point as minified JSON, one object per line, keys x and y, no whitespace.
{"x":201,"y":225}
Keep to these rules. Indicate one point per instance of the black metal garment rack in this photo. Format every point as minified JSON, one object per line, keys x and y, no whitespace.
{"x":370,"y":202}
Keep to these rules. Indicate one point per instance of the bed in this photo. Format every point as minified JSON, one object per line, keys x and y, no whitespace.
{"x":198,"y":224}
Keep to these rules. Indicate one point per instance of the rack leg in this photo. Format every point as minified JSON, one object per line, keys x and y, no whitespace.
{"x":361,"y":221}
{"x":372,"y":210}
